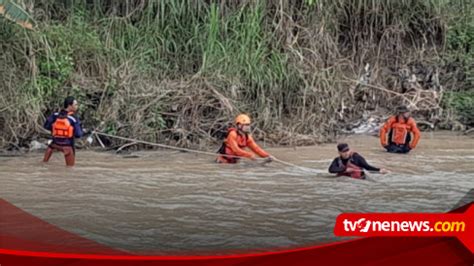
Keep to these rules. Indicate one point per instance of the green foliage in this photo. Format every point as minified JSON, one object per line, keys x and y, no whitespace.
{"x":111,"y":128}
{"x":12,"y":11}
{"x":136,"y":64}
{"x":463,"y":104}
{"x":54,"y":72}
{"x":155,"y":119}
{"x":239,"y":46}
{"x":311,"y":2}
{"x":64,"y":47}
{"x":460,"y":39}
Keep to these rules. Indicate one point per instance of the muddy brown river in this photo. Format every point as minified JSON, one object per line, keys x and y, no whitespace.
{"x":168,"y":202}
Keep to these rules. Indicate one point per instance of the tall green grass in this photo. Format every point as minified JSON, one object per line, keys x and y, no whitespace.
{"x":178,"y":70}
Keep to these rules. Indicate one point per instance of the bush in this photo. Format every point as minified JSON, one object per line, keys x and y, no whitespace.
{"x":462,"y":103}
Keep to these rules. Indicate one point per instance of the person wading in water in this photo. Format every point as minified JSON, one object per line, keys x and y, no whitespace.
{"x":399,"y":128}
{"x":352,"y":164}
{"x":64,"y":127}
{"x":237,"y":139}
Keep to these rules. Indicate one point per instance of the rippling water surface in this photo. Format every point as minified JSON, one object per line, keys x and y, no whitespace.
{"x":174,"y":203}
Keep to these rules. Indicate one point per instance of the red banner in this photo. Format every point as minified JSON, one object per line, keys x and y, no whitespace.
{"x":28,"y":240}
{"x":408,"y":224}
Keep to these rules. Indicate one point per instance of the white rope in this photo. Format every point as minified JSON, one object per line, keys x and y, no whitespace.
{"x":165,"y":146}
{"x":96,"y":133}
{"x":306,"y":169}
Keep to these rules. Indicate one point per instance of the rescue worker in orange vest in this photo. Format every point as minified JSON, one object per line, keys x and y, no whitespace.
{"x":64,"y":127}
{"x":351,"y":164}
{"x":237,"y":140}
{"x":399,"y":128}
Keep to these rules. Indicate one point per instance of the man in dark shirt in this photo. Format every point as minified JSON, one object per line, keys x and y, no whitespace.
{"x":64,"y":127}
{"x":351,"y":164}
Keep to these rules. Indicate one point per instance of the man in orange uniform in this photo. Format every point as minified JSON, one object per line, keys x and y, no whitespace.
{"x":237,"y":140}
{"x":64,"y":127}
{"x":399,"y":128}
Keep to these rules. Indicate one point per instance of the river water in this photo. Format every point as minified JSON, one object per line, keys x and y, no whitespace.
{"x":166,"y":202}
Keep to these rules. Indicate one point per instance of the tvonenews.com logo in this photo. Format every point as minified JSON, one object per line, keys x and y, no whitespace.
{"x":460,"y":225}
{"x":364,"y":225}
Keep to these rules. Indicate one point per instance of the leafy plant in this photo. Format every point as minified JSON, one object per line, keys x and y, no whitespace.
{"x":12,"y":11}
{"x":463,"y":105}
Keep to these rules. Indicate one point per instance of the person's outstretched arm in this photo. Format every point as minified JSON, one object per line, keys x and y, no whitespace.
{"x":234,"y":146}
{"x":360,"y":161}
{"x":255,"y":148}
{"x":78,"y":132}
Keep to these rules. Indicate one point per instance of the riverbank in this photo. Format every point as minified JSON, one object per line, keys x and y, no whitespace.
{"x":134,"y":146}
{"x":178,"y":72}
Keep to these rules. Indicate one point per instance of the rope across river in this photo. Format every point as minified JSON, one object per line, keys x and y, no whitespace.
{"x":302,"y":168}
{"x":98,"y":133}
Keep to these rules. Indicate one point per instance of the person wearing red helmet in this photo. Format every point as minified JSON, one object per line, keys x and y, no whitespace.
{"x":238,"y":138}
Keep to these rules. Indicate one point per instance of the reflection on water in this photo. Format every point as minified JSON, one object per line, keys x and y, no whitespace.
{"x":168,"y":202}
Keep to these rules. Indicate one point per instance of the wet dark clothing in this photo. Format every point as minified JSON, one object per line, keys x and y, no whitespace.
{"x":394,"y":148}
{"x":338,"y":165}
{"x":398,"y":148}
{"x":68,"y":151}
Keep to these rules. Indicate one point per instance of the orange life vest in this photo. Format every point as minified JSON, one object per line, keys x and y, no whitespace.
{"x":225,"y":149}
{"x":62,"y":128}
{"x":241,"y":139}
{"x":400,"y":131}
